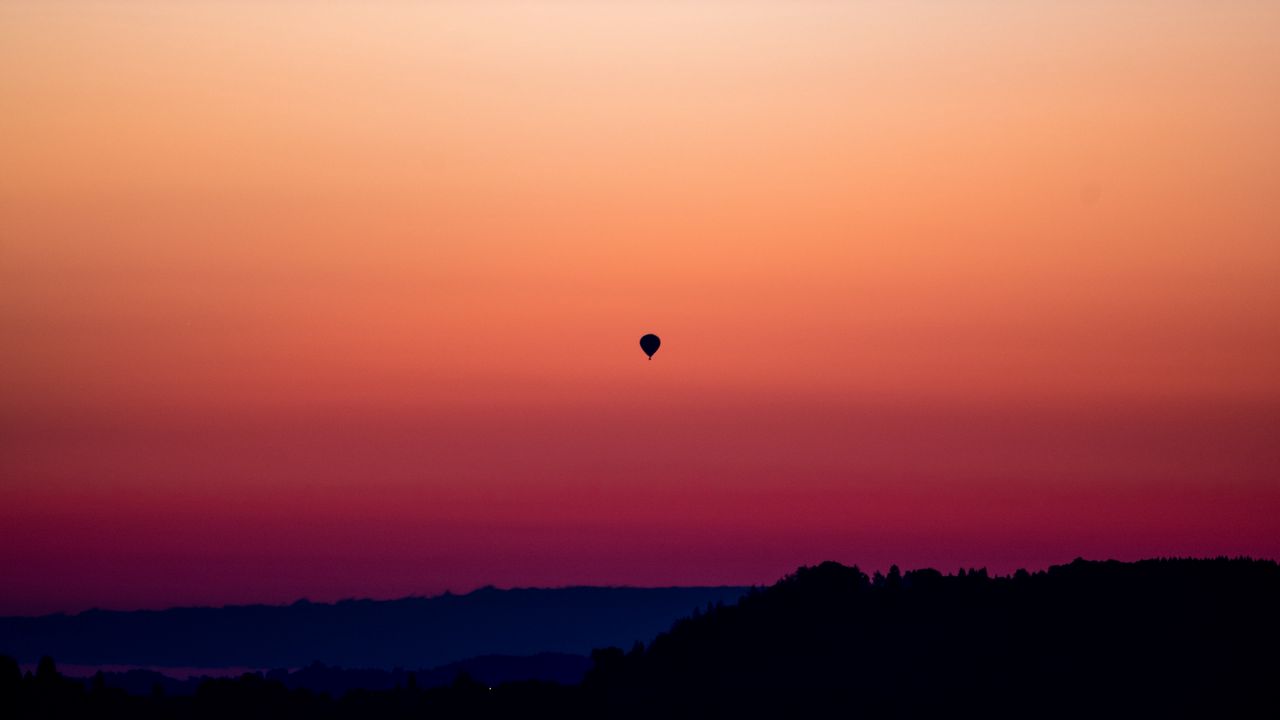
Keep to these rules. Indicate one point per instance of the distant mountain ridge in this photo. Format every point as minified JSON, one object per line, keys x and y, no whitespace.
{"x":488,"y":670}
{"x":414,"y":632}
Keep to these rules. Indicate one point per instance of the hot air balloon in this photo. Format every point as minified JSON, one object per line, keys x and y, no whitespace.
{"x":649,"y":344}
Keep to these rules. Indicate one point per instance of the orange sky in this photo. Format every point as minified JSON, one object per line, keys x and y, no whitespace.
{"x":343,"y":298}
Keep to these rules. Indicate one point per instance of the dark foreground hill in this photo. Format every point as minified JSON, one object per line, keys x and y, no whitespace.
{"x":1159,"y":638}
{"x":1155,"y":638}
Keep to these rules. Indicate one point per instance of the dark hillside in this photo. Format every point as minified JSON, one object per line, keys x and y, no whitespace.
{"x":1095,"y":638}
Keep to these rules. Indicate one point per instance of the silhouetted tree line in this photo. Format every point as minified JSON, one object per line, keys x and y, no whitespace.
{"x":1157,"y":638}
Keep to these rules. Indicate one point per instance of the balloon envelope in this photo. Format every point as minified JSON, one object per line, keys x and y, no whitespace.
{"x":649,"y":344}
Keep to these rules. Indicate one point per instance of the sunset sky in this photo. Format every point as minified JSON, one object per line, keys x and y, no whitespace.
{"x":343,"y":299}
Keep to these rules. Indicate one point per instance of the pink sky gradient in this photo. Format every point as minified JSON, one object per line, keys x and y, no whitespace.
{"x":344,"y":300}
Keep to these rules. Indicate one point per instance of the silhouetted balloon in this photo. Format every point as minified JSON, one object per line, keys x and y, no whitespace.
{"x":649,"y":344}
